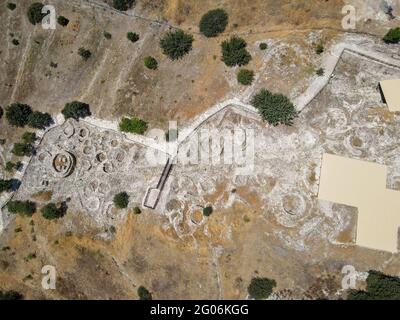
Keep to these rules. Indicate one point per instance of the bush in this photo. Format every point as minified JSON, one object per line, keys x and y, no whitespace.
{"x":234,"y":52}
{"x":319,"y":49}
{"x":261,"y":288}
{"x":35,"y":14}
{"x":29,"y":137}
{"x":393,"y":36}
{"x":245,"y":77}
{"x":51,"y":212}
{"x":123,"y":5}
{"x":5,"y":185}
{"x":207,"y":211}
{"x":263,"y":46}
{"x":11,"y":6}
{"x":121,"y":200}
{"x":134,"y":125}
{"x":136,"y":210}
{"x":11,"y":295}
{"x":107,"y":35}
{"x":144,"y":294}
{"x":11,"y":166}
{"x":1,"y":112}
{"x":22,"y":149}
{"x":213,"y":22}
{"x":150,"y":63}
{"x":320,"y":72}
{"x":76,"y":110}
{"x":132,"y":36}
{"x":176,"y":44}
{"x":15,"y":42}
{"x":23,"y":208}
{"x":63,"y":21}
{"x":39,"y":120}
{"x":274,"y":108}
{"x":84,"y":53}
{"x":18,"y":114}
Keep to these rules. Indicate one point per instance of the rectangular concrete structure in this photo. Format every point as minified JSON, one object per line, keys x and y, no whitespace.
{"x":362,"y":185}
{"x":391,"y":92}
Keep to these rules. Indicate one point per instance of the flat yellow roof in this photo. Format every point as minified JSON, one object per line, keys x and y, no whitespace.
{"x":391,"y":91}
{"x":362,"y":185}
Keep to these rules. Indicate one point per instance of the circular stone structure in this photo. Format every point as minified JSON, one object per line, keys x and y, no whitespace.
{"x":64,"y":164}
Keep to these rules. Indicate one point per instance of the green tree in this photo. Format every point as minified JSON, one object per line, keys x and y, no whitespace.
{"x":23,"y":149}
{"x":245,"y":77}
{"x":121,"y":200}
{"x":320,"y":72}
{"x":207,"y":211}
{"x":133,"y":125}
{"x":63,"y":21}
{"x":274,"y":108}
{"x":76,"y":110}
{"x":29,"y":137}
{"x":107,"y":35}
{"x":5,"y":185}
{"x":263,"y":46}
{"x":261,"y":288}
{"x":39,"y":120}
{"x":11,"y":166}
{"x":176,"y":44}
{"x":144,"y":294}
{"x":133,"y":36}
{"x":234,"y":52}
{"x":18,"y":114}
{"x":35,"y":14}
{"x":23,"y":208}
{"x":11,"y":6}
{"x":15,"y":42}
{"x":213,"y":22}
{"x":150,"y":63}
{"x":123,"y":5}
{"x":51,"y":212}
{"x":393,"y":36}
{"x":319,"y":49}
{"x":136,"y":210}
{"x":84,"y":53}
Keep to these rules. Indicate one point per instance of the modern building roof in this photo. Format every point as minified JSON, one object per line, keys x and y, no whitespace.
{"x":362,"y":185}
{"x":391,"y":92}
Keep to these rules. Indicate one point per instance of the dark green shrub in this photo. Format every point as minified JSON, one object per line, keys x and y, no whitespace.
{"x":207,"y":211}
{"x":263,"y":46}
{"x":144,"y":294}
{"x":133,"y":125}
{"x":150,"y":63}
{"x":39,"y":120}
{"x":51,"y":212}
{"x":18,"y":114}
{"x":107,"y":35}
{"x":76,"y":110}
{"x":1,"y":112}
{"x":11,"y":6}
{"x":320,"y":72}
{"x":29,"y":137}
{"x":23,"y":208}
{"x":274,"y":108}
{"x":53,"y":64}
{"x":234,"y":52}
{"x":63,"y":21}
{"x":136,"y":210}
{"x":121,"y":200}
{"x":22,"y":149}
{"x":245,"y":77}
{"x":15,"y":42}
{"x":132,"y":36}
{"x":11,"y":166}
{"x":35,"y":14}
{"x":319,"y":49}
{"x":213,"y":22}
{"x":261,"y":288}
{"x":5,"y":185}
{"x":393,"y":36}
{"x":11,"y":295}
{"x":123,"y":5}
{"x":176,"y":44}
{"x":84,"y":53}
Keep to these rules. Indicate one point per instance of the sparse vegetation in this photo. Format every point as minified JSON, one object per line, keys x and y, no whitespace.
{"x":144,"y":294}
{"x":23,"y":208}
{"x":11,"y":6}
{"x":17,"y":114}
{"x":22,"y":149}
{"x":136,"y":210}
{"x":261,"y":288}
{"x":121,"y":200}
{"x":39,"y":120}
{"x":320,"y":72}
{"x":84,"y":53}
{"x":213,"y":22}
{"x":263,"y":46}
{"x":76,"y":110}
{"x":51,"y":212}
{"x":63,"y":21}
{"x":35,"y":14}
{"x":393,"y":36}
{"x":133,"y":125}
{"x":245,"y":77}
{"x":207,"y":211}
{"x":133,"y":36}
{"x":176,"y":44}
{"x":123,"y":5}
{"x":379,"y":287}
{"x":274,"y":108}
{"x":150,"y":63}
{"x":234,"y":52}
